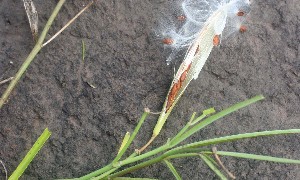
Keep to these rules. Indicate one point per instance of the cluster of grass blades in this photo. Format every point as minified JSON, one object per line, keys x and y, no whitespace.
{"x":172,"y":150}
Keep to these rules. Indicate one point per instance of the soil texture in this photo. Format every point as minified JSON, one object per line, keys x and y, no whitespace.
{"x":125,"y":62}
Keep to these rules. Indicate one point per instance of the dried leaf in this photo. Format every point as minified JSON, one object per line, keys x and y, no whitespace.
{"x":32,"y":18}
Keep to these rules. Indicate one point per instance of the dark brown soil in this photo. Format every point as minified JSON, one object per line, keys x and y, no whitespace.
{"x":126,"y":64}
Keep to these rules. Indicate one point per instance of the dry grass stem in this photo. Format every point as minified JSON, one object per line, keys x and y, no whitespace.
{"x":70,"y":22}
{"x":5,"y":170}
{"x":6,"y":80}
{"x":214,"y":150}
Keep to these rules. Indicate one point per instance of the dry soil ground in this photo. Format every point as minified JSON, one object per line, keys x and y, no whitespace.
{"x":126,"y":64}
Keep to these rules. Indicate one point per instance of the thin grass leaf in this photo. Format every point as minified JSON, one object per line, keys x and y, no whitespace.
{"x":83,"y":50}
{"x":183,"y":155}
{"x":128,"y":178}
{"x":136,"y":130}
{"x":125,"y":140}
{"x":213,"y":167}
{"x":256,"y":157}
{"x":193,"y":121}
{"x":240,"y":136}
{"x":215,"y":117}
{"x":30,"y":155}
{"x":211,"y":159}
{"x":186,"y":127}
{"x":204,"y":114}
{"x":173,"y":170}
{"x":107,"y":173}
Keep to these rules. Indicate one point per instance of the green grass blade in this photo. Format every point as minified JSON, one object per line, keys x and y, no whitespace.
{"x":211,"y":159}
{"x":193,"y":121}
{"x":185,"y":155}
{"x":173,"y":170}
{"x":107,"y":173}
{"x":124,"y":142}
{"x":215,"y":117}
{"x":204,"y":114}
{"x":186,"y":127}
{"x":213,"y":167}
{"x":182,"y":155}
{"x":256,"y":157}
{"x":136,"y":130}
{"x":30,"y":155}
{"x":83,"y":50}
{"x":128,"y":178}
{"x":240,"y":136}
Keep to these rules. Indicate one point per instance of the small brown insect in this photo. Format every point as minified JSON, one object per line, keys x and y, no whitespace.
{"x":216,"y":40}
{"x":168,"y":41}
{"x":243,"y":29}
{"x":181,"y":18}
{"x":240,"y":13}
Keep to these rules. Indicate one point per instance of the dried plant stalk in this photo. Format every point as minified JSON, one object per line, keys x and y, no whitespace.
{"x":32,"y":18}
